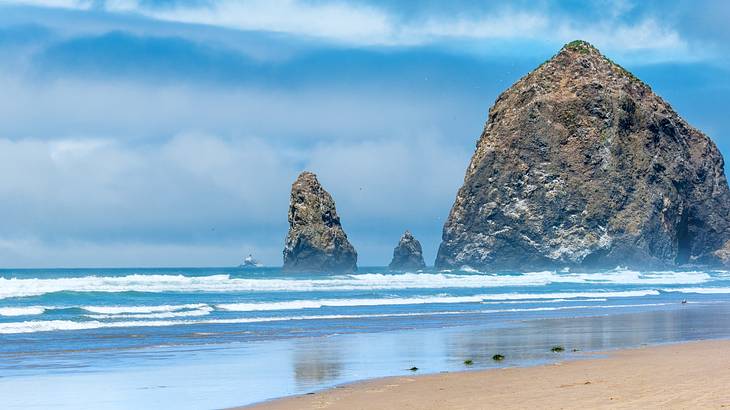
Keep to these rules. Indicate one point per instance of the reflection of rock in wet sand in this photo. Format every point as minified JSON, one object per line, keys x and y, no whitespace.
{"x":317,"y":364}
{"x":533,"y":340}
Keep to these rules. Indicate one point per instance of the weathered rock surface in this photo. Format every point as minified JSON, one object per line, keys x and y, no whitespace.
{"x":581,"y":165}
{"x":723,"y":254}
{"x":408,"y":254}
{"x":316,"y":241}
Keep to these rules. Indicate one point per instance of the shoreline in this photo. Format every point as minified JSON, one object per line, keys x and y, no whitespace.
{"x":674,"y":375}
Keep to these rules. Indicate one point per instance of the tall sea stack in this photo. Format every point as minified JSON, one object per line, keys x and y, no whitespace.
{"x":316,"y":241}
{"x":581,"y":165}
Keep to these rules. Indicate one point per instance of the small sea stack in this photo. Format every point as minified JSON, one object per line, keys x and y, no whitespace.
{"x":408,"y":254}
{"x":250,"y":262}
{"x":316,"y":241}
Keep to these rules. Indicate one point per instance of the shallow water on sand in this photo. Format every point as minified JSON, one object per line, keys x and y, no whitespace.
{"x":207,"y":338}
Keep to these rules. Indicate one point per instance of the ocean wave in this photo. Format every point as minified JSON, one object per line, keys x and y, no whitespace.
{"x":201,"y":311}
{"x":315,"y":304}
{"x":115,"y":310}
{"x":58,"y":325}
{"x":633,"y":277}
{"x":147,"y":312}
{"x":496,"y":298}
{"x":708,"y":291}
{"x":545,"y":309}
{"x":15,"y":287}
{"x":22,"y":311}
{"x":573,"y":295}
{"x":504,"y":302}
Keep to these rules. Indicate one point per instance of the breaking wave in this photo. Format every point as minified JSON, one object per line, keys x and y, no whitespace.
{"x":57,"y":325}
{"x":22,"y":311}
{"x":494,"y":298}
{"x":706,"y":291}
{"x":202,"y":309}
{"x":16,"y":287}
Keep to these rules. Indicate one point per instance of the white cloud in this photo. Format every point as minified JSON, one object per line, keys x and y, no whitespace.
{"x":368,"y":25}
{"x":363,"y":25}
{"x":503,"y":25}
{"x":118,"y":203}
{"x":341,"y":22}
{"x":111,"y":189}
{"x":647,"y":34}
{"x":66,"y":4}
{"x":140,"y":110}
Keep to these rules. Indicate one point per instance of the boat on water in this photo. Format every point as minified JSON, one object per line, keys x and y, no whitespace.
{"x":250,"y":262}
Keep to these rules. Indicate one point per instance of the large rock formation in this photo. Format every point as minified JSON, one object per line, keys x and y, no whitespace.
{"x":316,"y":241}
{"x":581,"y":165}
{"x":408,"y":254}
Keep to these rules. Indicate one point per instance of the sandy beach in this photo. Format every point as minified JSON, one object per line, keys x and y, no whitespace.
{"x":687,"y":375}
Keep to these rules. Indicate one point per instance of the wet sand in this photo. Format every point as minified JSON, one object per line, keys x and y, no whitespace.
{"x":686,"y":375}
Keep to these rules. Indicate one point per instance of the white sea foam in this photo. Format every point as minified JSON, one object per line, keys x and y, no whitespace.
{"x":22,"y":311}
{"x":56,"y":325}
{"x":496,"y":298}
{"x":708,"y":291}
{"x":53,"y":325}
{"x":203,"y":310}
{"x":315,"y":304}
{"x":633,"y":277}
{"x":504,"y":302}
{"x":115,"y":310}
{"x":15,"y":287}
{"x":573,"y":295}
{"x":543,"y":309}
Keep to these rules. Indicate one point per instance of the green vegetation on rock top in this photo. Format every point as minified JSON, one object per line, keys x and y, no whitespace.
{"x":580,"y":46}
{"x":584,"y":47}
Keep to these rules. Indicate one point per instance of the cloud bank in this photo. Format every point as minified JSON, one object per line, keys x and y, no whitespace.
{"x":363,"y":24}
{"x":200,"y":190}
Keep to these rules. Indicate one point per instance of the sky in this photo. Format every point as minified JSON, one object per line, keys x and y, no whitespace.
{"x":168,"y":133}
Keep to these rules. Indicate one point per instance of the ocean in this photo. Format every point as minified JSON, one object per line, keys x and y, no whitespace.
{"x":218,"y":337}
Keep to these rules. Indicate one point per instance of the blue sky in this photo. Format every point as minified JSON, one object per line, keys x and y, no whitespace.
{"x":167,"y":133}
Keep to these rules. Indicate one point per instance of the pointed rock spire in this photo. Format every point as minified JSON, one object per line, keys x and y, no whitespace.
{"x":316,"y":241}
{"x":408,"y":254}
{"x":581,"y":164}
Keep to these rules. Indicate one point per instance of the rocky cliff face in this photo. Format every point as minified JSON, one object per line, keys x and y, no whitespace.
{"x":316,"y":241}
{"x":581,"y":165}
{"x":408,"y":254}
